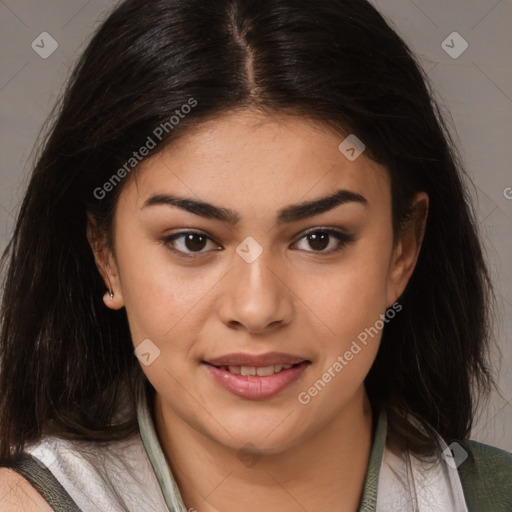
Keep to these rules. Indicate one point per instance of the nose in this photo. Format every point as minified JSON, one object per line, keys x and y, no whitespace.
{"x":256,"y":296}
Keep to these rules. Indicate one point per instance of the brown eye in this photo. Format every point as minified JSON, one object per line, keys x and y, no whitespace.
{"x":188,"y":243}
{"x":194,"y":242}
{"x":320,"y":239}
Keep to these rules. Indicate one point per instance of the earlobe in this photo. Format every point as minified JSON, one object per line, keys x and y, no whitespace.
{"x":105,"y":265}
{"x":407,"y":248}
{"x":111,"y":300}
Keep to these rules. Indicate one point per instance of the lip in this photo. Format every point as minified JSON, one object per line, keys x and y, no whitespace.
{"x":254,"y":387}
{"x":256,"y":360}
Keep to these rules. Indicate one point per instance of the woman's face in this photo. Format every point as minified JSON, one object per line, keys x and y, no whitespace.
{"x":270,"y":280}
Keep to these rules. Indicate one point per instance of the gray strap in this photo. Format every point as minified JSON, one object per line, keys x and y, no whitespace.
{"x":43,"y":480}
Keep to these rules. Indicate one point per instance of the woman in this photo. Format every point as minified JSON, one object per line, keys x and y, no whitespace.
{"x":296,"y":314}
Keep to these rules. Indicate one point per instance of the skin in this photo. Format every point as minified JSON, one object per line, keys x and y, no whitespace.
{"x":18,"y":495}
{"x":292,"y":299}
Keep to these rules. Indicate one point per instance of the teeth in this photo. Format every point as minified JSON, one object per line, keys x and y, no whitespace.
{"x":261,"y":371}
{"x":265,"y":371}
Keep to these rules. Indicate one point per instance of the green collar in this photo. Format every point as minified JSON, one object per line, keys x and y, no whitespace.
{"x":172,"y":494}
{"x":371,"y":481}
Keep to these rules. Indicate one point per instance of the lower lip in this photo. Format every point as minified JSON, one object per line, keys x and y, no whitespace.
{"x":254,"y":387}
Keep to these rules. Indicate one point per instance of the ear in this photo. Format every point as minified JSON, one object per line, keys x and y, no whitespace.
{"x":105,"y":263}
{"x":407,"y":248}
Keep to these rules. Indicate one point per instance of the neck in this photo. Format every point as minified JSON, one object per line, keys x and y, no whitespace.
{"x":324,"y":471}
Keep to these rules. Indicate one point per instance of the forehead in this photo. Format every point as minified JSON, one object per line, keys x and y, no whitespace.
{"x":254,"y":162}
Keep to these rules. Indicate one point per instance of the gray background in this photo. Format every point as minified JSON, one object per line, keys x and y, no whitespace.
{"x":475,"y":89}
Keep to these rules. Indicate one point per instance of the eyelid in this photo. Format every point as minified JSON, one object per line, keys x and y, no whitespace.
{"x":328,"y":229}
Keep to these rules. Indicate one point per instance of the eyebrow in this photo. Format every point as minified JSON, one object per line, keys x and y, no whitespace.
{"x":291,"y":213}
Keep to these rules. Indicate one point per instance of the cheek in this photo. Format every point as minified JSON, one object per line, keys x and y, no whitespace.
{"x":163,"y":301}
{"x":351,"y":295}
{"x":349,"y":302}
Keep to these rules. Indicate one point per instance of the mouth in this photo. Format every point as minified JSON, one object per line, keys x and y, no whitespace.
{"x":256,"y":377}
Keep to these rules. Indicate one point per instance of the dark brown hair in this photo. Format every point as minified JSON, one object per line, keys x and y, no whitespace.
{"x":65,"y":357}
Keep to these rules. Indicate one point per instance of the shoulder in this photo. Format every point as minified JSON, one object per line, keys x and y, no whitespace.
{"x":17,"y":494}
{"x":486,"y":477}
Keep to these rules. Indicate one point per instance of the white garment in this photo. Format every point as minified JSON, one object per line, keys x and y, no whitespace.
{"x":408,"y":484}
{"x":121,"y":479}
{"x":133,"y":475}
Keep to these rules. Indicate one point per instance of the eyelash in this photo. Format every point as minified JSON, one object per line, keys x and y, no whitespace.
{"x":342,"y":237}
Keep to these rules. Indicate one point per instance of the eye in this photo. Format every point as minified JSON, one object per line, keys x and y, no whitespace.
{"x":320,"y":238}
{"x":185,"y":241}
{"x":191,"y":243}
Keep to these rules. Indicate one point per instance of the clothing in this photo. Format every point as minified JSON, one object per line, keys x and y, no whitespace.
{"x":133,"y":475}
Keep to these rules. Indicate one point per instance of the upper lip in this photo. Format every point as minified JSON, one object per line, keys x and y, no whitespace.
{"x":255,"y":360}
